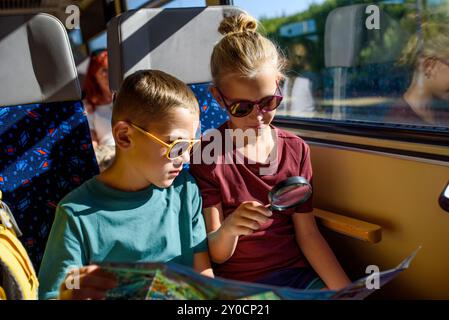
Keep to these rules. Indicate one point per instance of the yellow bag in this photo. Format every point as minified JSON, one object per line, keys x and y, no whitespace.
{"x":17,"y":276}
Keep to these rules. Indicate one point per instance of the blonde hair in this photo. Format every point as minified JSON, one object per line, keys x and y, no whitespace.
{"x":147,"y":95}
{"x":432,"y":41}
{"x":243,"y":50}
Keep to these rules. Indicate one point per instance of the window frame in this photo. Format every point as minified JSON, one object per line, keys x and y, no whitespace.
{"x":390,"y":132}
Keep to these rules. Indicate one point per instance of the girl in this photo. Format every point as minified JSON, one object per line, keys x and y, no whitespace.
{"x":246,"y":240}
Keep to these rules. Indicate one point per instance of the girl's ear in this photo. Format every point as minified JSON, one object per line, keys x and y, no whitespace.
{"x":213,"y":90}
{"x":280,"y":78}
{"x":428,"y":64}
{"x":122,"y":134}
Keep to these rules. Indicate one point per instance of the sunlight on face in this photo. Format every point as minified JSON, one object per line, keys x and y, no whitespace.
{"x":235,"y":87}
{"x":150,"y":156}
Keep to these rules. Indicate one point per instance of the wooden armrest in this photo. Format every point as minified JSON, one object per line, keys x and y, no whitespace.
{"x":351,"y":227}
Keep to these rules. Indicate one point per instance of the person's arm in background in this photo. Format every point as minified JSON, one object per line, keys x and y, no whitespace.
{"x":318,"y":252}
{"x":90,"y":113}
{"x":94,"y":137}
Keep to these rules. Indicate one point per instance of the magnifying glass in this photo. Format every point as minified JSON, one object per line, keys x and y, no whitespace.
{"x":289,"y":193}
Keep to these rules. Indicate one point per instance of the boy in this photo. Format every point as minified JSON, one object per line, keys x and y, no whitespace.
{"x":143,"y":207}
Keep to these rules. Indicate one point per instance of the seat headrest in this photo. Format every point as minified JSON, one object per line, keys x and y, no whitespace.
{"x":348,"y":41}
{"x":178,"y":41}
{"x":36,"y":64}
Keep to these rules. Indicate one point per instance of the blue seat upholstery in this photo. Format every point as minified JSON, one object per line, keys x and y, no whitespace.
{"x":45,"y":152}
{"x":212,"y":114}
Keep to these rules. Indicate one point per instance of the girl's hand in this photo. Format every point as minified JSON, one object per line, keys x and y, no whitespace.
{"x":86,"y":283}
{"x":246,"y":219}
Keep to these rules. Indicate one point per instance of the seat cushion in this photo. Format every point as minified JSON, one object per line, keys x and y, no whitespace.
{"x":212,"y":114}
{"x":45,"y":152}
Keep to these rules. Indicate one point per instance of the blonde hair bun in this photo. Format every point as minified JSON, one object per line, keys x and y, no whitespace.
{"x":237,"y":23}
{"x":243,"y":50}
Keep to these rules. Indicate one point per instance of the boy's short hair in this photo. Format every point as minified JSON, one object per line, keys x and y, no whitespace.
{"x":146,"y":95}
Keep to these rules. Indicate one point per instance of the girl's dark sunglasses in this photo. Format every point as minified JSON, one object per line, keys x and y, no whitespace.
{"x":243,"y":108}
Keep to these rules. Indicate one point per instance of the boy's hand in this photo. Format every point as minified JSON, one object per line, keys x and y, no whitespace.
{"x":86,"y":283}
{"x":246,"y":219}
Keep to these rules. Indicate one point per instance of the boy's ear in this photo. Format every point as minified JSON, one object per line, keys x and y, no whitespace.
{"x":121,"y":132}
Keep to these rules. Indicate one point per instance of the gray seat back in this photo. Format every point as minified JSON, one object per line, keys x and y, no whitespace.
{"x":45,"y":73}
{"x":178,"y":41}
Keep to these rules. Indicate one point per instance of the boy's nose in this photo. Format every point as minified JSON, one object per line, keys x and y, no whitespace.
{"x":185,"y":157}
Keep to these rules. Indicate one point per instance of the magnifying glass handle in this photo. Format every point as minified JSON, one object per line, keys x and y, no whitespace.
{"x":268,"y":206}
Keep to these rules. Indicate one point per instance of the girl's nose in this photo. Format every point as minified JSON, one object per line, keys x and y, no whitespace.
{"x":179,"y":161}
{"x":257,"y":111}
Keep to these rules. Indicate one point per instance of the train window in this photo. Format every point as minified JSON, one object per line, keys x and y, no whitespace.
{"x":373,"y":63}
{"x":98,"y":42}
{"x":76,"y":37}
{"x":185,"y":3}
{"x":135,"y":4}
{"x":76,"y":42}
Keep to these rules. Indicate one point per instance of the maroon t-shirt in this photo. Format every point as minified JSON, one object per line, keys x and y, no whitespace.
{"x":273,"y":247}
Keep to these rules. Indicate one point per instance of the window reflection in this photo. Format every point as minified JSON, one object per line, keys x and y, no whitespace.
{"x":426,"y":99}
{"x":342,"y":66}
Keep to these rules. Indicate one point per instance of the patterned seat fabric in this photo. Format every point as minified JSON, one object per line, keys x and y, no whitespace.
{"x":212,"y":114}
{"x":45,"y":152}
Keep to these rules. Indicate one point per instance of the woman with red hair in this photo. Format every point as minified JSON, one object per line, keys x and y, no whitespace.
{"x":98,"y":105}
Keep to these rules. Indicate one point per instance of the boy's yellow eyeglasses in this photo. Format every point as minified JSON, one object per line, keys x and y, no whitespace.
{"x":175,"y":149}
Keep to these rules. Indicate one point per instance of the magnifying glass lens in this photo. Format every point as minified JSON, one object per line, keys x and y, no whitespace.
{"x":290,"y":193}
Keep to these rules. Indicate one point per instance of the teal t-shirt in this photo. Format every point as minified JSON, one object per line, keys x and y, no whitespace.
{"x":96,"y":223}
